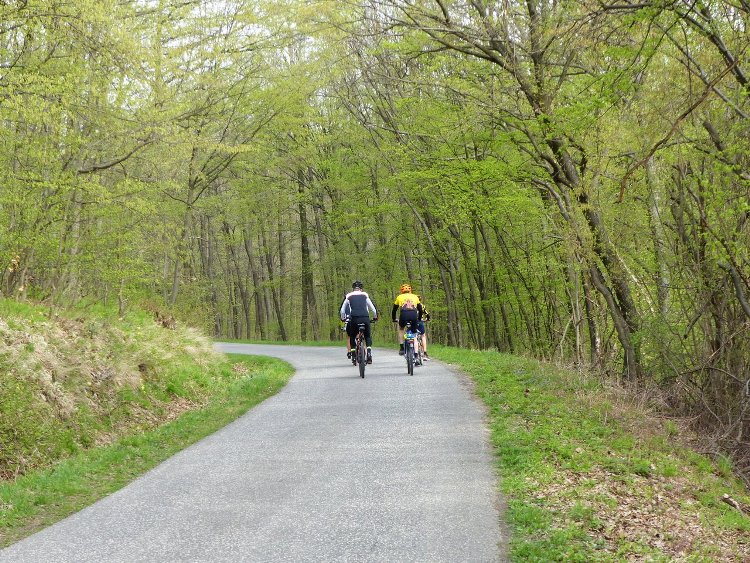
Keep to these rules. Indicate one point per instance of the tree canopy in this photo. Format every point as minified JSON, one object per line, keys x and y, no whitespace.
{"x":567,"y":179}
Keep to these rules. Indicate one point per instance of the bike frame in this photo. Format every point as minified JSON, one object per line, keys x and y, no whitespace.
{"x":360,"y":355}
{"x":410,"y":337}
{"x":360,"y":350}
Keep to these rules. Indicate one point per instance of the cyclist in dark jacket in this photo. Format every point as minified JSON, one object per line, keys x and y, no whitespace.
{"x":424,"y":315}
{"x":356,"y":310}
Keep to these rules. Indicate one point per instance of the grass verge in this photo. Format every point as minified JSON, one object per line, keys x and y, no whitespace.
{"x":590,"y":475}
{"x":42,"y":497}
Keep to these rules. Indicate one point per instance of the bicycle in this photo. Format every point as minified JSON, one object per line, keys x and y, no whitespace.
{"x":360,"y":352}
{"x":410,"y":348}
{"x":419,"y":350}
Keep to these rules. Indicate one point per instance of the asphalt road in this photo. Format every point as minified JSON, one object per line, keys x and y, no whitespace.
{"x":333,"y":468}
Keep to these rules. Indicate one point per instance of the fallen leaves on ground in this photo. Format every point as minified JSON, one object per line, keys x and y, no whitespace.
{"x":659,"y":514}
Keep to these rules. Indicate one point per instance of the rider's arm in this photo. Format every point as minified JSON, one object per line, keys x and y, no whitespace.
{"x":371,"y":307}
{"x":394,"y":311}
{"x":423,"y":314}
{"x":344,"y":312}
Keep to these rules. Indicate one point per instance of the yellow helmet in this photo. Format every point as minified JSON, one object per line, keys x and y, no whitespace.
{"x":405,"y":288}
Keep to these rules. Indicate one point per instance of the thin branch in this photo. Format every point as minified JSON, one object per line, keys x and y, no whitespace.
{"x":738,"y":282}
{"x":706,"y":93}
{"x":115,"y":162}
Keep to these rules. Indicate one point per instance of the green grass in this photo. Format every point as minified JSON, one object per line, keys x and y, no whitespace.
{"x":13,"y":308}
{"x":42,"y":497}
{"x":589,"y":478}
{"x":70,"y":378}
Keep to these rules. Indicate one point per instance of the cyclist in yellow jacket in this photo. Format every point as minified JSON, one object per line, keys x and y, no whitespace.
{"x":410,"y":310}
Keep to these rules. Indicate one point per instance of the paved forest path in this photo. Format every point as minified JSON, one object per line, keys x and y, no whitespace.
{"x":332,"y":468}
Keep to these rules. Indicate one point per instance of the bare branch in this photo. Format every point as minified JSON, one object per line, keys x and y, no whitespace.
{"x":116,"y":161}
{"x":695,"y":105}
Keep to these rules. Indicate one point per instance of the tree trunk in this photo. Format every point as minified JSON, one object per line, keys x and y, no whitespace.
{"x":590,"y":308}
{"x":241,"y":287}
{"x":307,"y":285}
{"x":275,"y":291}
{"x":260,"y":312}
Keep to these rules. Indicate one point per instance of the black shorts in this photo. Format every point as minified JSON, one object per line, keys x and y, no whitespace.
{"x":406,"y":316}
{"x":352,"y":327}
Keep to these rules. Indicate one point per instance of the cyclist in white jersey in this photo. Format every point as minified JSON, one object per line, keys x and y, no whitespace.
{"x":356,"y":310}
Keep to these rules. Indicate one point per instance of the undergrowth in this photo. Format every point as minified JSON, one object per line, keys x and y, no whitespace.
{"x":73,"y":380}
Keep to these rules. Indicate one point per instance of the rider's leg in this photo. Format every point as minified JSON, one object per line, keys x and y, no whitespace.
{"x":368,"y":340}
{"x":422,"y":337}
{"x":346,"y":341}
{"x":351,"y":329}
{"x":368,"y":333}
{"x":401,"y":324}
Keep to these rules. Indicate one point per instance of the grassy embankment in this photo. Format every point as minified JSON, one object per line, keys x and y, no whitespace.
{"x":88,"y":402}
{"x":590,"y":475}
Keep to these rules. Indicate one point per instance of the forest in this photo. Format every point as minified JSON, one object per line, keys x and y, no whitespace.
{"x":561,"y":179}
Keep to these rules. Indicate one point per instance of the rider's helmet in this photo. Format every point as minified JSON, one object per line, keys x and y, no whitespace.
{"x":358,"y":285}
{"x":405,"y":288}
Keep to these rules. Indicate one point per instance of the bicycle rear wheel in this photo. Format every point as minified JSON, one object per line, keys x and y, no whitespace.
{"x":410,"y":358}
{"x":361,"y":358}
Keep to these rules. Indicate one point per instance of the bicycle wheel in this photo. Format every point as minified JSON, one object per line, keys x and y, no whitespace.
{"x":410,"y":357}
{"x":361,"y":358}
{"x":418,"y":355}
